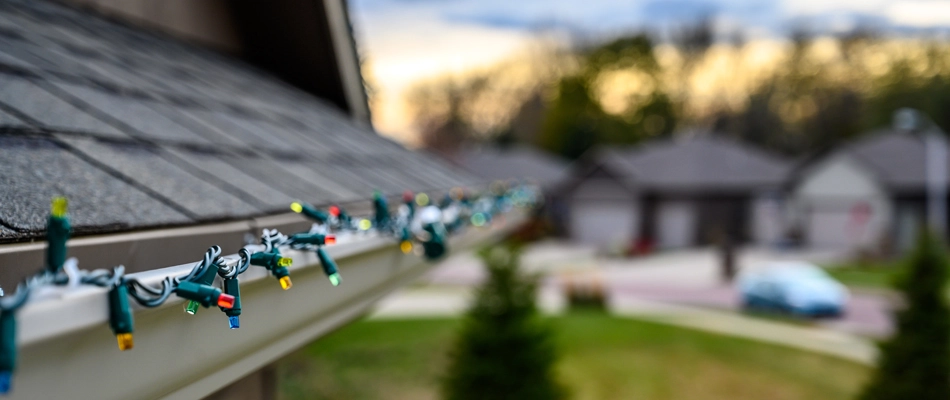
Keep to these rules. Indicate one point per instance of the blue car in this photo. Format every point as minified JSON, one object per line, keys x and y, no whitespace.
{"x":797,"y":288}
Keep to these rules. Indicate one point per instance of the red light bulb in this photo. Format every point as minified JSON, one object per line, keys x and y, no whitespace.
{"x":334,"y":211}
{"x":225,"y":301}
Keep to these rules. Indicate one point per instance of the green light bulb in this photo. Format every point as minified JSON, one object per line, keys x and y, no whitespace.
{"x":192,"y":307}
{"x":335,"y":279}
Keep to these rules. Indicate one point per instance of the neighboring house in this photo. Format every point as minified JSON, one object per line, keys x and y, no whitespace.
{"x":524,"y":164}
{"x":869,"y":195}
{"x":516,"y":162}
{"x":602,"y":203}
{"x":691,"y":190}
{"x":169,"y":148}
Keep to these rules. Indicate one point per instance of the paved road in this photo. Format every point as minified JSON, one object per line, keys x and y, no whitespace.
{"x":867,"y":314}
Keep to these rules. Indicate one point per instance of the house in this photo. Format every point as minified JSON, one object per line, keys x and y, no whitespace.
{"x":693,"y":189}
{"x":172,"y":127}
{"x":525,"y":164}
{"x":868,"y":195}
{"x":514,"y":162}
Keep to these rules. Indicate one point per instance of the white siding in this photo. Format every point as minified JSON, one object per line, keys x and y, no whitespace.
{"x":840,"y":205}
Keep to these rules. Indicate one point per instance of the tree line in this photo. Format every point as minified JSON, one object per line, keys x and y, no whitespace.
{"x":792,"y":96}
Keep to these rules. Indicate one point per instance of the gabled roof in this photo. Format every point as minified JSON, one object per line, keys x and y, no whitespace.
{"x":519,"y":162}
{"x":699,"y":163}
{"x":140,"y":130}
{"x":896,"y":159}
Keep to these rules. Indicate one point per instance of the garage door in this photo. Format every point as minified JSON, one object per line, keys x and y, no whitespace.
{"x":861,"y":225}
{"x":676,"y":224}
{"x":829,"y":229}
{"x":604,"y":222}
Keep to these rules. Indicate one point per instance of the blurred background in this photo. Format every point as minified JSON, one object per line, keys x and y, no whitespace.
{"x":733,"y":166}
{"x":772,"y":122}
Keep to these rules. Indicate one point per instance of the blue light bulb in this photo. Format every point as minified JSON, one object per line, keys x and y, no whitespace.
{"x":6,"y":379}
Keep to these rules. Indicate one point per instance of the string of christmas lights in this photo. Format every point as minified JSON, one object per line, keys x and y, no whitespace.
{"x":417,"y":221}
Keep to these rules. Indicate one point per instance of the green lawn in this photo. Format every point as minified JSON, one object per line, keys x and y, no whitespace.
{"x":601,"y":358}
{"x":874,"y":276}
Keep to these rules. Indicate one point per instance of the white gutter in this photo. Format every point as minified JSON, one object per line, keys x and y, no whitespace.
{"x":66,"y":349}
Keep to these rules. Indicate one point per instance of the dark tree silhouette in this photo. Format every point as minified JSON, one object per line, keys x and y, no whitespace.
{"x":915,"y":363}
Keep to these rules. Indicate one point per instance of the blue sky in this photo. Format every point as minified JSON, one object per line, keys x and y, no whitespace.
{"x":409,"y":40}
{"x":610,"y":17}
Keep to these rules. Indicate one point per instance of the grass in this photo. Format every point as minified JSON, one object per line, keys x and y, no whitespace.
{"x":865,"y":278}
{"x":866,"y":275}
{"x":875,"y":276}
{"x":601,"y":358}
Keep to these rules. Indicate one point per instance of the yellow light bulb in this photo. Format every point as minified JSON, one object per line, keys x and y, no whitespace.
{"x":422,"y":199}
{"x":285,"y":262}
{"x":60,"y":204}
{"x":297,"y":207}
{"x":405,"y":246}
{"x":125,"y":341}
{"x":285,"y":282}
{"x":365,"y":224}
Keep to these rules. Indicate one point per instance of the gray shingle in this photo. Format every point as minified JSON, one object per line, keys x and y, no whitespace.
{"x":267,"y":196}
{"x":332,"y":190}
{"x":48,"y":58}
{"x":343,"y":175}
{"x":703,"y":162}
{"x":36,"y":170}
{"x":8,"y":234}
{"x":191,"y":122}
{"x":11,"y":59}
{"x":229,"y":126}
{"x":897,"y":159}
{"x":274,"y":174}
{"x":48,"y":109}
{"x":147,"y":167}
{"x":111,"y":72}
{"x":299,"y":142}
{"x":446,"y":175}
{"x":8,"y":120}
{"x":514,"y":163}
{"x":136,"y":113}
{"x":16,"y":54}
{"x":383,"y":179}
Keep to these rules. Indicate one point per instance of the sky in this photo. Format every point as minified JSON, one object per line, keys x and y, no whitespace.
{"x":405,"y":41}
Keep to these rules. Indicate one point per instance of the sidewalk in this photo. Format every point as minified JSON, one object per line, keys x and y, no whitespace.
{"x":818,"y":340}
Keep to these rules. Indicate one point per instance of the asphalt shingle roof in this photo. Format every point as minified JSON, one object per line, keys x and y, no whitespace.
{"x":515,"y":163}
{"x":698,"y":163}
{"x":35,"y":169}
{"x":140,"y":130}
{"x":896,"y":159}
